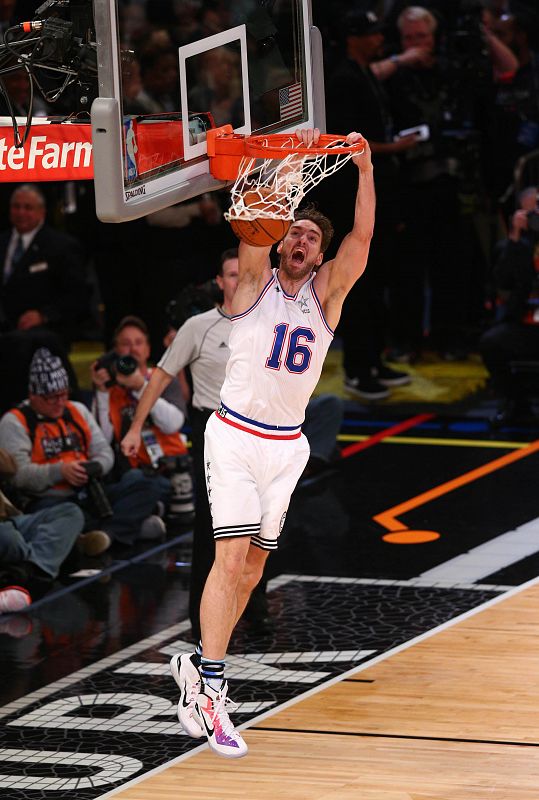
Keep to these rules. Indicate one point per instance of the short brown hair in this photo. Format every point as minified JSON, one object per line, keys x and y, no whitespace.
{"x":314,"y":215}
{"x":227,"y":255}
{"x":131,"y":322}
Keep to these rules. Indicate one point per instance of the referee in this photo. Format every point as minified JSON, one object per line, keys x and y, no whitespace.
{"x":202,"y":345}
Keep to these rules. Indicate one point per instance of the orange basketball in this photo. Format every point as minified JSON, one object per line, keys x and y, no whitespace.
{"x":260,"y":232}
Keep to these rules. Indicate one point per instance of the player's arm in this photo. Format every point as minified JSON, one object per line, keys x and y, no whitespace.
{"x":253,"y":273}
{"x":335,"y":278}
{"x":158,"y":382}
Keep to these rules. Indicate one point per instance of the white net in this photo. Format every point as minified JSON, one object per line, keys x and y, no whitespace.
{"x":274,"y":188}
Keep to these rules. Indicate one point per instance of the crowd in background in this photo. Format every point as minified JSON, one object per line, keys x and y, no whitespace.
{"x":453,"y":264}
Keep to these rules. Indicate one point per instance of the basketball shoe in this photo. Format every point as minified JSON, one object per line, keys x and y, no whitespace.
{"x":212,"y":708}
{"x":187,"y":677}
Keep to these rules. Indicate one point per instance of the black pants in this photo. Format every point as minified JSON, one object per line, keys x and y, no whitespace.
{"x":203,"y":542}
{"x":366,"y":319}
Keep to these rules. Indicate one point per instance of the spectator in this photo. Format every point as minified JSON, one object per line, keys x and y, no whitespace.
{"x":356,"y":100}
{"x":54,"y":441}
{"x":34,"y":546}
{"x":159,"y":73}
{"x":116,"y":400}
{"x":43,"y":270}
{"x":43,"y":298}
{"x":218,"y":87}
{"x":439,"y":253}
{"x":16,"y":351}
{"x":515,"y":332}
{"x":517,"y":107}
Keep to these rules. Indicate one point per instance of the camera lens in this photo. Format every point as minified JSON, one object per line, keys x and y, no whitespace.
{"x":126,"y":365}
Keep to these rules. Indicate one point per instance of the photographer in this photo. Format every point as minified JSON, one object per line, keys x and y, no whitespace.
{"x":356,"y":100}
{"x":120,"y":378}
{"x":61,"y":454}
{"x":515,"y":333}
{"x":517,"y":100}
{"x":449,"y":99}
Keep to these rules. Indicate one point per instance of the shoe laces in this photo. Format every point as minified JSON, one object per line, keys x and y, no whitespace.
{"x":193,"y":693}
{"x":222,"y":706}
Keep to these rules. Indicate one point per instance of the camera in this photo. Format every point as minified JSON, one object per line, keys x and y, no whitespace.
{"x":178,"y":470}
{"x":50,"y":45}
{"x":533,"y":220}
{"x":95,"y":490}
{"x":115,"y":364}
{"x":170,"y":464}
{"x":466,"y":48}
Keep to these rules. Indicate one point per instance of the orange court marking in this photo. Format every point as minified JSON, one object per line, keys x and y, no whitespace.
{"x":407,"y":536}
{"x":400,"y":534}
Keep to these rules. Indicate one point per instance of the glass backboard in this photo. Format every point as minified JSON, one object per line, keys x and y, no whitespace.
{"x":169,"y":70}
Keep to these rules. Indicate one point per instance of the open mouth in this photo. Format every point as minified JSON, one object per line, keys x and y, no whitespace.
{"x":298,"y":256}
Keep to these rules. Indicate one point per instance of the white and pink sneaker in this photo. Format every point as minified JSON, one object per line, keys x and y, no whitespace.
{"x":187,"y":676}
{"x":212,"y":709}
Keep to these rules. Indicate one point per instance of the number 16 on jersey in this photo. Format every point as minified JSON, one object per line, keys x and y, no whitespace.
{"x":298,"y":353}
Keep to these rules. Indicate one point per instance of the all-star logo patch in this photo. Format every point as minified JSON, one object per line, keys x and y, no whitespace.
{"x":303,"y":303}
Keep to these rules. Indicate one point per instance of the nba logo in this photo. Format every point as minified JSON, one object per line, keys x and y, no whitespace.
{"x":131,"y":149}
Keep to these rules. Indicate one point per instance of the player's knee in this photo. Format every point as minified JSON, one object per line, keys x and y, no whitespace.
{"x":254,"y":567}
{"x":250,"y":578}
{"x":230,"y":561}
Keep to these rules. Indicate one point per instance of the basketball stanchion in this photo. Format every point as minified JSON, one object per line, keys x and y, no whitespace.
{"x":272,"y":174}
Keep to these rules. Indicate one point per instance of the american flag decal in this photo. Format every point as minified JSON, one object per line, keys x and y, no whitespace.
{"x":290,"y":101}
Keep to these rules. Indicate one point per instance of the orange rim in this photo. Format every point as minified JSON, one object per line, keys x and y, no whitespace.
{"x":281,"y":145}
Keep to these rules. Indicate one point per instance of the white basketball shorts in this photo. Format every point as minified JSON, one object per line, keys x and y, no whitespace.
{"x":250,"y":477}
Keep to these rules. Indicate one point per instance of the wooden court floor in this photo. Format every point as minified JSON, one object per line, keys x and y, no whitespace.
{"x":455,"y":716}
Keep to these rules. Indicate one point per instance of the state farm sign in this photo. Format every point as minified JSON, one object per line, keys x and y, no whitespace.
{"x":52,"y":152}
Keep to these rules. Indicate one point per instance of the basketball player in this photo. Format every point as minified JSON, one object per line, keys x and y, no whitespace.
{"x":254,"y":449}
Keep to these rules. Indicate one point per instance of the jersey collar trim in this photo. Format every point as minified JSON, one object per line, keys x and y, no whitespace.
{"x":290,"y":296}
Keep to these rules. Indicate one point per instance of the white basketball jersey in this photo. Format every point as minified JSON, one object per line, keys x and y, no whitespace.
{"x":277,"y":350}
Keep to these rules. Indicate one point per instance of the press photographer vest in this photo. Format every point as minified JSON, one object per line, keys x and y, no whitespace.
{"x":65,"y":439}
{"x":121,"y":411}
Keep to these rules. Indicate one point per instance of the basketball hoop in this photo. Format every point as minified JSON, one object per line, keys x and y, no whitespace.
{"x":274,"y":172}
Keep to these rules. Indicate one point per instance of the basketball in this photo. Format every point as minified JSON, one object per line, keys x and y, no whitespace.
{"x":260,"y":232}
